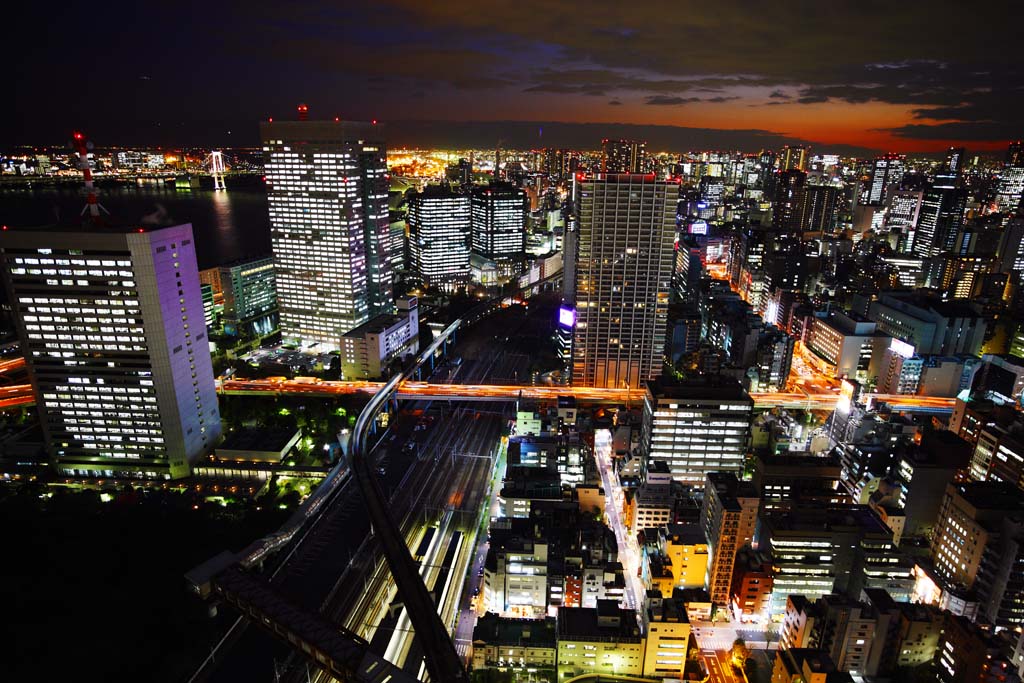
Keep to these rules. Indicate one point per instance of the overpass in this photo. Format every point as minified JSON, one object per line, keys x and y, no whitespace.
{"x":22,"y":395}
{"x":409,"y":389}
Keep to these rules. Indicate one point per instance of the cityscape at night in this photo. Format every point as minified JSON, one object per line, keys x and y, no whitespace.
{"x":531,"y":342}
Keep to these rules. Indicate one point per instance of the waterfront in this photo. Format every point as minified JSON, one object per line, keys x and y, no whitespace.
{"x":227,"y":225}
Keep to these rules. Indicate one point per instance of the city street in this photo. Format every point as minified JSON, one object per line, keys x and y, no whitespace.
{"x":629,"y":552}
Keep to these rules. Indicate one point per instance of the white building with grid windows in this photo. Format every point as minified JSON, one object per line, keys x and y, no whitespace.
{"x":111,"y":323}
{"x":327,"y":192}
{"x":439,"y":236}
{"x":697,"y":426}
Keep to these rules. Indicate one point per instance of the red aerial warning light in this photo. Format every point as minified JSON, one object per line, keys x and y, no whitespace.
{"x":270,"y":120}
{"x":337,"y":119}
{"x":141,"y":230}
{"x":303,"y":112}
{"x":78,"y":136}
{"x":374,"y":122}
{"x":5,"y":227}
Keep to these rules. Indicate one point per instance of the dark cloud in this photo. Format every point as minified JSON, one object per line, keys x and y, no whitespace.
{"x":246,"y":60}
{"x":615,"y":103}
{"x":524,"y":135}
{"x":664,"y":100}
{"x":958,"y":130}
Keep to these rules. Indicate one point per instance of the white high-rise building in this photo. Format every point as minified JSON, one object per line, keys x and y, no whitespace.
{"x":111,"y":323}
{"x":439,"y":236}
{"x":327,"y":191}
{"x":886,"y":173}
{"x":623,"y":273}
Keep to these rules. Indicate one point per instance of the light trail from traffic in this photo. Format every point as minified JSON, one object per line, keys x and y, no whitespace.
{"x":476,"y":392}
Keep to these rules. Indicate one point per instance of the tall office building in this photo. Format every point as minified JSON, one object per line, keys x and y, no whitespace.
{"x":249,"y":287}
{"x":941,"y":217}
{"x":793,"y":158}
{"x":111,"y":324}
{"x":623,"y":156}
{"x":979,"y":546}
{"x":499,"y":224}
{"x":886,"y":174}
{"x":1011,"y":179}
{"x":728,"y":516}
{"x":625,"y":244}
{"x":902,"y":215}
{"x":820,"y":212}
{"x":766,"y":171}
{"x":439,"y":236}
{"x":788,"y":200}
{"x":327,"y":191}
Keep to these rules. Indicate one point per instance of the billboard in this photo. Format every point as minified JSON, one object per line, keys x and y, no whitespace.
{"x":566,"y":317}
{"x":902,"y":348}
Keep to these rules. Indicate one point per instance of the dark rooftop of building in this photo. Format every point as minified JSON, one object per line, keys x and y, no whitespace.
{"x":992,"y":495}
{"x":704,"y":388}
{"x":257,"y":439}
{"x":685,"y":533}
{"x":585,"y":623}
{"x":495,"y":630}
{"x":377,"y":324}
{"x":830,"y":519}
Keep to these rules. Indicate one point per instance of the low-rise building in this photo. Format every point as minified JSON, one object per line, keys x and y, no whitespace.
{"x":603,"y":639}
{"x":257,"y":444}
{"x":667,"y":631}
{"x":806,"y":665}
{"x":515,"y":645}
{"x":367,"y":350}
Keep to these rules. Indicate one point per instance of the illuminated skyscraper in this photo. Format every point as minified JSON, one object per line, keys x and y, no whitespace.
{"x":499,"y":224}
{"x":940,"y":218}
{"x":942,"y":208}
{"x":250,"y":295}
{"x":623,"y":156}
{"x":439,"y":236}
{"x":821,"y":208}
{"x":793,"y":158}
{"x":1011,"y":179}
{"x":886,"y":174}
{"x":327,"y":190}
{"x":623,"y":277}
{"x":903,"y":214}
{"x":788,"y":202}
{"x":111,"y":324}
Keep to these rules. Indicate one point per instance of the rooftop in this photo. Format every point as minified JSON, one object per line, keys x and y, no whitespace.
{"x":581,"y":623}
{"x":495,"y":630}
{"x":705,"y":388}
{"x":258,"y":439}
{"x":377,"y":324}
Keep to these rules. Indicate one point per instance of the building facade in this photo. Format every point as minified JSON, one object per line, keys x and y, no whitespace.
{"x":327,"y":192}
{"x":439,"y":237}
{"x":697,"y":426}
{"x":623,"y":278}
{"x":111,"y":324}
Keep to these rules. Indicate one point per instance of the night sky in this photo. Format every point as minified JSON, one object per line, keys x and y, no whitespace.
{"x":899,"y":76}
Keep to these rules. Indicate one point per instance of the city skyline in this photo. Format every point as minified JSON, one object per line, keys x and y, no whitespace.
{"x":898,"y":79}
